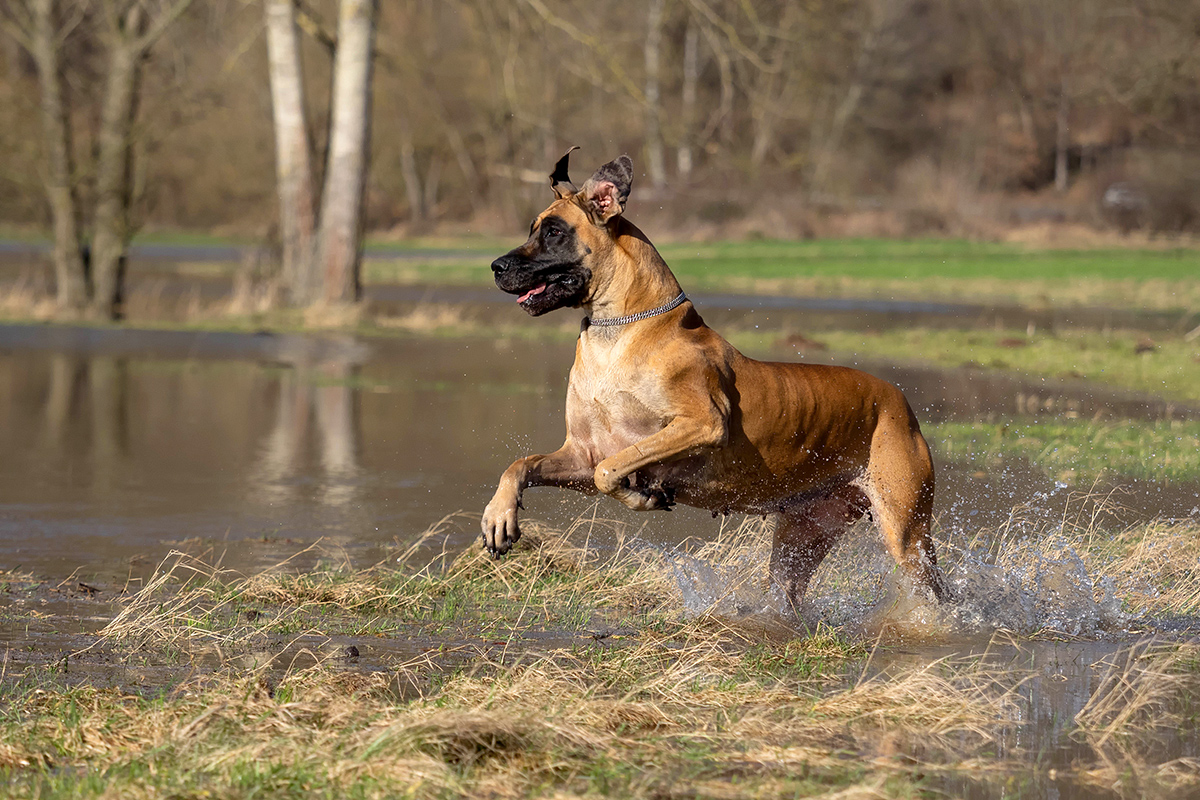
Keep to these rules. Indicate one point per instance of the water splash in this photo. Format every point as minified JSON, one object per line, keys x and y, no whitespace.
{"x":1039,"y":584}
{"x":1019,"y":579}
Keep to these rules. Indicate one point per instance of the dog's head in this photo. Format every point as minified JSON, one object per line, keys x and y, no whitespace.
{"x":569,"y":242}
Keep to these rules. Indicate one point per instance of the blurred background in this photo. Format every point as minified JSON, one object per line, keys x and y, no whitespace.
{"x":780,"y":119}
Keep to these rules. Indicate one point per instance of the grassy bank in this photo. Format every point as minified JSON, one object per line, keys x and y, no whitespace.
{"x":645,"y":701}
{"x":925,"y":269}
{"x":1167,"y":365}
{"x":1076,"y":451}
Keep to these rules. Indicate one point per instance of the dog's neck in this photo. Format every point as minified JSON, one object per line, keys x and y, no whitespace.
{"x":635,"y":279}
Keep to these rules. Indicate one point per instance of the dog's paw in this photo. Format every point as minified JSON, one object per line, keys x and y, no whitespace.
{"x":646,"y":499}
{"x":659,"y":498}
{"x":500,"y":528}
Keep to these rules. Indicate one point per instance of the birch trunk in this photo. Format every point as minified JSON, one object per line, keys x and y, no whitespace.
{"x":71,"y":279}
{"x":655,"y":159}
{"x":293,"y":153}
{"x":339,"y":238}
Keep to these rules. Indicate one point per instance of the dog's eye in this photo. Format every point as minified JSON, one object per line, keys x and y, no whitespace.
{"x":552,"y":232}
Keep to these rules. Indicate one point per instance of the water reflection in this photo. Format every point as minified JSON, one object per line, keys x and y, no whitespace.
{"x":120,"y":444}
{"x":85,"y":426}
{"x":306,"y":395}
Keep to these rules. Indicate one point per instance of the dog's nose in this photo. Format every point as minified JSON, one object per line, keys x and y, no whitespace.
{"x":500,"y":265}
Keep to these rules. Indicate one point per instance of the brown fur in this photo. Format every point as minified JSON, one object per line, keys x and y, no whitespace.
{"x":664,"y":410}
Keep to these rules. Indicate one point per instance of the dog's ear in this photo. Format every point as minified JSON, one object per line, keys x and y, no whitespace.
{"x":560,"y":181}
{"x":605,"y":193}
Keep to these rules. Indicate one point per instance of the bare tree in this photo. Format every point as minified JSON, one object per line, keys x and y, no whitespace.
{"x":687,"y":113}
{"x":37,"y":28}
{"x":339,"y":237}
{"x":127,"y":29}
{"x":293,"y":150}
{"x":322,"y":260}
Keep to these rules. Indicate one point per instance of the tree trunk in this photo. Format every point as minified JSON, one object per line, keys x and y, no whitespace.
{"x":655,"y":159}
{"x":412,"y":177}
{"x":69,"y":272}
{"x":293,"y":153}
{"x":339,"y":239}
{"x":687,"y":112}
{"x":722,"y":120}
{"x":110,"y":242}
{"x":1062,"y":139}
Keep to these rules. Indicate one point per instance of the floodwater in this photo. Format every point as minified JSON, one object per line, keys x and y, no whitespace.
{"x":120,"y":444}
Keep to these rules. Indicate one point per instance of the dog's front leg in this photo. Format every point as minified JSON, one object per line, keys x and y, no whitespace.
{"x":682,"y":437}
{"x":565,"y":467}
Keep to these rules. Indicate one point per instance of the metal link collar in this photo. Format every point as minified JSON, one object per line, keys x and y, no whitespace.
{"x":654,"y":312}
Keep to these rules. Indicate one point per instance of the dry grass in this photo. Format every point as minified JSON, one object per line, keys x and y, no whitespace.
{"x":677,"y":704}
{"x":1144,"y":690}
{"x":1155,"y":567}
{"x":1146,"y":695}
{"x":668,"y":710}
{"x":27,"y":298}
{"x":1151,"y":568}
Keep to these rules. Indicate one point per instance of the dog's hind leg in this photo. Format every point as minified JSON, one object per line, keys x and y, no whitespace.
{"x":899,"y":483}
{"x":804,"y":537}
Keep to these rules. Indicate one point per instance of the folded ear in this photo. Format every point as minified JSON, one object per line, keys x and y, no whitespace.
{"x":605,"y":193}
{"x":560,"y":182}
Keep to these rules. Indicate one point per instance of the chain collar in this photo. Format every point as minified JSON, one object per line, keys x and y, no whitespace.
{"x":654,"y":312}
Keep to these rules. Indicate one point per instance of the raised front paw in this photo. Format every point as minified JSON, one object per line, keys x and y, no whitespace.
{"x":654,"y":498}
{"x":500,"y":529}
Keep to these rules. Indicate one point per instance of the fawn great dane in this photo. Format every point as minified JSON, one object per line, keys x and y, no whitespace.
{"x":662,"y":410}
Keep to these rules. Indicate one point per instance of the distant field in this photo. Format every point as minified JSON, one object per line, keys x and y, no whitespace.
{"x":925,"y":258}
{"x":1162,"y":279}
{"x":1168,"y":366}
{"x":1150,"y":278}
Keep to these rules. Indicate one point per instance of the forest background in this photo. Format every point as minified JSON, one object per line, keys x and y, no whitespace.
{"x":776,"y":119}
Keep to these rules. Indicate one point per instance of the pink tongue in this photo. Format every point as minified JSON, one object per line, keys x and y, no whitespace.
{"x":541,"y":287}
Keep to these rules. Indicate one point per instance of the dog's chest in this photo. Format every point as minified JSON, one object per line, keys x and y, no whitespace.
{"x":613,"y":400}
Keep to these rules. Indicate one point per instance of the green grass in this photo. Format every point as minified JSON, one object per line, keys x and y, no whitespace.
{"x":924,"y":269}
{"x":1076,"y":451}
{"x":920,"y":259}
{"x":921,"y":269}
{"x":1168,"y":365}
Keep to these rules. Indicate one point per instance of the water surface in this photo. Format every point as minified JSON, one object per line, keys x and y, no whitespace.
{"x":120,"y":444}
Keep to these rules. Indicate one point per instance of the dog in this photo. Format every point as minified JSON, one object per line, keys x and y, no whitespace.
{"x":662,"y":410}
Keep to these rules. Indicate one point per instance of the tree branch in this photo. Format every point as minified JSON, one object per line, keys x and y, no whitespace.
{"x":158,"y":25}
{"x":18,"y":24}
{"x":308,"y":21}
{"x":732,"y":36}
{"x":593,"y":44}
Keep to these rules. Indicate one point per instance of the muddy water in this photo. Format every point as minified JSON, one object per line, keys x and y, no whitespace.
{"x":118,"y":445}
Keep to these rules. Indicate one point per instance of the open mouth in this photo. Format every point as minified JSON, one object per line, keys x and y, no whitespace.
{"x":541,"y":287}
{"x":537,"y":294}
